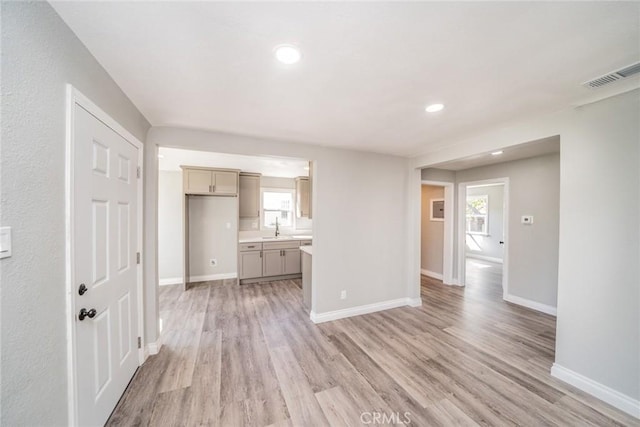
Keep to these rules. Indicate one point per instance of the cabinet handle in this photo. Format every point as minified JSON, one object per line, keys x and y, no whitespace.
{"x":213,"y":188}
{"x":260,"y":254}
{"x":251,"y":247}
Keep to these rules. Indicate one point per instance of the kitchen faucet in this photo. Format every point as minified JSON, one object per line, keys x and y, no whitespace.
{"x":277,"y":228}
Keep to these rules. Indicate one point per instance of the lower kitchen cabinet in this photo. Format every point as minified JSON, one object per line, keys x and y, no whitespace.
{"x":272,"y":262}
{"x":291,"y":261}
{"x":250,"y":265}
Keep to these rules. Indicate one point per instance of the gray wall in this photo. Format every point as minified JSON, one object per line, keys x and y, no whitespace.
{"x":359,"y":214}
{"x":598,"y":332}
{"x":432,"y":232}
{"x":489,"y":245}
{"x":40,"y":55}
{"x":209,"y":236}
{"x":433,"y":174}
{"x":170,"y":195}
{"x":534,"y":189}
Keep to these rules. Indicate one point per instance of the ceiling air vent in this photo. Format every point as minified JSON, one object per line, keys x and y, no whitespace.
{"x":620,"y":74}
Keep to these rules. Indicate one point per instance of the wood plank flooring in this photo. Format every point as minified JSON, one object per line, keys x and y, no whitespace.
{"x":249,"y":356}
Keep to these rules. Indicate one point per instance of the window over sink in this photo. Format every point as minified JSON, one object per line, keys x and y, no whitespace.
{"x":277,"y":203}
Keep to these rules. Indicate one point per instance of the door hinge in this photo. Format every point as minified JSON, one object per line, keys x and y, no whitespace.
{"x":139,"y":342}
{"x":138,"y":171}
{"x":137,"y":257}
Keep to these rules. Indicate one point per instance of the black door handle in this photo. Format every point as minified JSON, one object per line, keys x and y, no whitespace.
{"x":87,"y":313}
{"x":82,"y":289}
{"x":501,"y":242}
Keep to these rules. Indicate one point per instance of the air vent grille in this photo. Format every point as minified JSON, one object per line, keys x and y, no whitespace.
{"x":614,"y":76}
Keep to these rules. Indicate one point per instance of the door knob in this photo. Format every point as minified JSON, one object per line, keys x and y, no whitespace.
{"x":82,"y":289}
{"x":87,"y":313}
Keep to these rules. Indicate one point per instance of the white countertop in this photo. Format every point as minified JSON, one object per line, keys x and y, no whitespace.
{"x":278,"y":239}
{"x":307,"y":249}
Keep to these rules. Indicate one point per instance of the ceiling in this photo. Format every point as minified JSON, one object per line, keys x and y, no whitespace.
{"x":368,"y":68}
{"x":526,"y":150}
{"x":170,"y":159}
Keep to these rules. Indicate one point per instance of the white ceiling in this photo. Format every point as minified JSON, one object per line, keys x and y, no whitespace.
{"x":170,"y":159}
{"x":368,"y":68}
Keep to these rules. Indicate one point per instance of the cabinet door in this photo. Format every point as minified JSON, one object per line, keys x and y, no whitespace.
{"x":292,"y":261}
{"x":225,"y":182}
{"x":249,"y":196}
{"x":197,"y":181}
{"x":272,"y":262}
{"x":302,"y":195}
{"x":250,"y":264}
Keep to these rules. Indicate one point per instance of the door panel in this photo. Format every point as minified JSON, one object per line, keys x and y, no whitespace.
{"x":225,"y":182}
{"x":292,"y":261}
{"x":198,"y":181}
{"x":271,"y":262}
{"x":250,"y":265}
{"x":105,"y":208}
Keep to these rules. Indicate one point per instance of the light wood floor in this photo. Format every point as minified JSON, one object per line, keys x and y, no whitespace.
{"x":249,"y":355}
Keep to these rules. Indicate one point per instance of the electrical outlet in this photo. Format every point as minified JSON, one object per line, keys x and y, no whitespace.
{"x":213,"y":262}
{"x":527,"y":219}
{"x":343,"y":295}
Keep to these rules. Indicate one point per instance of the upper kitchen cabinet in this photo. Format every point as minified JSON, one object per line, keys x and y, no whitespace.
{"x":303,"y":197}
{"x":249,"y":195}
{"x":206,"y":181}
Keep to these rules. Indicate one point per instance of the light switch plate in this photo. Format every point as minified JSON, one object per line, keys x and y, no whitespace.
{"x":527,"y":219}
{"x":5,"y":242}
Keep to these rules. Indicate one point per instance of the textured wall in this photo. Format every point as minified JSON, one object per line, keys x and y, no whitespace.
{"x":40,"y":55}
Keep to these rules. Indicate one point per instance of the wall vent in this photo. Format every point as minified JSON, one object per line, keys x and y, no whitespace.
{"x":614,"y":76}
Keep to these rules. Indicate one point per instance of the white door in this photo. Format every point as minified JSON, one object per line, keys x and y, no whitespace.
{"x":104,"y":261}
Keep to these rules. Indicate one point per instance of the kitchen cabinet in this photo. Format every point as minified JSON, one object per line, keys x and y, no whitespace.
{"x":303,"y":197}
{"x":214,"y":182}
{"x":250,"y":261}
{"x":281,"y":258}
{"x":249,"y":195}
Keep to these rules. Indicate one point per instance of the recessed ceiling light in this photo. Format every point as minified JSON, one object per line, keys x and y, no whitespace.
{"x":496,"y":153}
{"x":287,"y":54}
{"x":434,"y":108}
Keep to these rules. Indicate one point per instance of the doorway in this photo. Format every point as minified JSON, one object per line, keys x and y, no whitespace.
{"x":482,"y":235}
{"x":436,"y":230}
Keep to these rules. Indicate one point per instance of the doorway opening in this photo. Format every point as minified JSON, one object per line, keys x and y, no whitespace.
{"x":482,"y":236}
{"x":436,"y":230}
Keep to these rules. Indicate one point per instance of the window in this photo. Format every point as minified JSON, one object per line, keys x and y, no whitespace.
{"x":477,"y":214}
{"x":277,"y":204}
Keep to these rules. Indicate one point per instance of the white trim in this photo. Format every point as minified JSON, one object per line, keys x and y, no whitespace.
{"x":76,"y":97}
{"x":534,"y":305}
{"x":447,"y":250}
{"x":484,"y":257}
{"x":431,"y":274}
{"x":170,"y":281}
{"x":613,"y":397}
{"x":152,"y":348}
{"x":363,"y":309}
{"x":207,"y":277}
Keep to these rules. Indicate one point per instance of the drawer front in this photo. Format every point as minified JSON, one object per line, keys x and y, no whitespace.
{"x":290,"y":244}
{"x":305,"y":242}
{"x":257,"y":246}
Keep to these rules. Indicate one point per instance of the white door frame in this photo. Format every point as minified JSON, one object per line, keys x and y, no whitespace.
{"x":462,"y":230}
{"x":76,"y":97}
{"x":447,"y":249}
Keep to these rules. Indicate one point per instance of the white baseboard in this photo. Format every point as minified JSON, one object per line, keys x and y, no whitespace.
{"x":484,"y":257}
{"x":170,"y":281}
{"x":208,"y":277}
{"x":152,"y":348}
{"x":431,"y":274}
{"x":606,"y":394}
{"x":363,"y":309}
{"x":531,"y":304}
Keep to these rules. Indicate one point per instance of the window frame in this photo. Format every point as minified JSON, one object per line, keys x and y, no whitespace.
{"x":485,"y":216}
{"x":292,"y":210}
